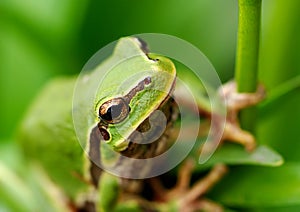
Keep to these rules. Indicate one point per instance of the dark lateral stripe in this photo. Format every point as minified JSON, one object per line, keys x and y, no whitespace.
{"x":140,"y":86}
{"x":94,"y":154}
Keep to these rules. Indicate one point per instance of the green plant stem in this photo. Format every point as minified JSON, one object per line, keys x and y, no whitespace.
{"x":247,"y":54}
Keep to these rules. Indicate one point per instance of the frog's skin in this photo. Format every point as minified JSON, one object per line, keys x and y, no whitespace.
{"x":48,"y":137}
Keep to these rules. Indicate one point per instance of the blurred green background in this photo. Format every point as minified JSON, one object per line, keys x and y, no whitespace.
{"x":43,"y":39}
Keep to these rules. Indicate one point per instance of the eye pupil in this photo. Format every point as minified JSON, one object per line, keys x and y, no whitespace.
{"x":107,"y":116}
{"x":114,"y":111}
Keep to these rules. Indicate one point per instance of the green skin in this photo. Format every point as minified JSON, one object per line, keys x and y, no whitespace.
{"x":47,"y":134}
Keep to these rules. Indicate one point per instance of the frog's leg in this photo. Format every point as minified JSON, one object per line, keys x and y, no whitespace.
{"x":188,"y":198}
{"x":235,"y":102}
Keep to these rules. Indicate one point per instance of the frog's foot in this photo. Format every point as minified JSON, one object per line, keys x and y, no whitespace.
{"x":189,"y":198}
{"x":235,"y":102}
{"x":234,"y":133}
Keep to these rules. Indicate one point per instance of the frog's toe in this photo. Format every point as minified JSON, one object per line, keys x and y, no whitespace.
{"x":235,"y":134}
{"x":236,"y":101}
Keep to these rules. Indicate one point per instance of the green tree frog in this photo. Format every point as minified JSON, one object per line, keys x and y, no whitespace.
{"x":48,"y":135}
{"x":72,"y":133}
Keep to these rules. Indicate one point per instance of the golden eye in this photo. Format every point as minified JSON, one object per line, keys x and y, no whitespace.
{"x":114,"y":111}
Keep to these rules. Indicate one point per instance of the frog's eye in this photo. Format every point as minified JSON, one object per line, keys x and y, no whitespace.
{"x":114,"y":111}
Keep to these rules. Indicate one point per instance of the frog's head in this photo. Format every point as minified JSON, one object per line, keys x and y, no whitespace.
{"x":133,"y":88}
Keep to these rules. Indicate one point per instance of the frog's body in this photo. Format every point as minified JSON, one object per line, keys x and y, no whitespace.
{"x":47,"y":133}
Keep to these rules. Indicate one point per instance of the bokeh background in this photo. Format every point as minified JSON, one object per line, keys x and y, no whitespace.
{"x":43,"y":39}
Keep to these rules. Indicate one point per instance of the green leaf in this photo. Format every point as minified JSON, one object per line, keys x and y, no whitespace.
{"x":14,"y":193}
{"x":280,"y":91}
{"x":278,"y":125}
{"x":260,"y":186}
{"x":25,"y":187}
{"x":233,"y":154}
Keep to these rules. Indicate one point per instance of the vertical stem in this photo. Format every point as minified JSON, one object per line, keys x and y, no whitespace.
{"x":247,"y":54}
